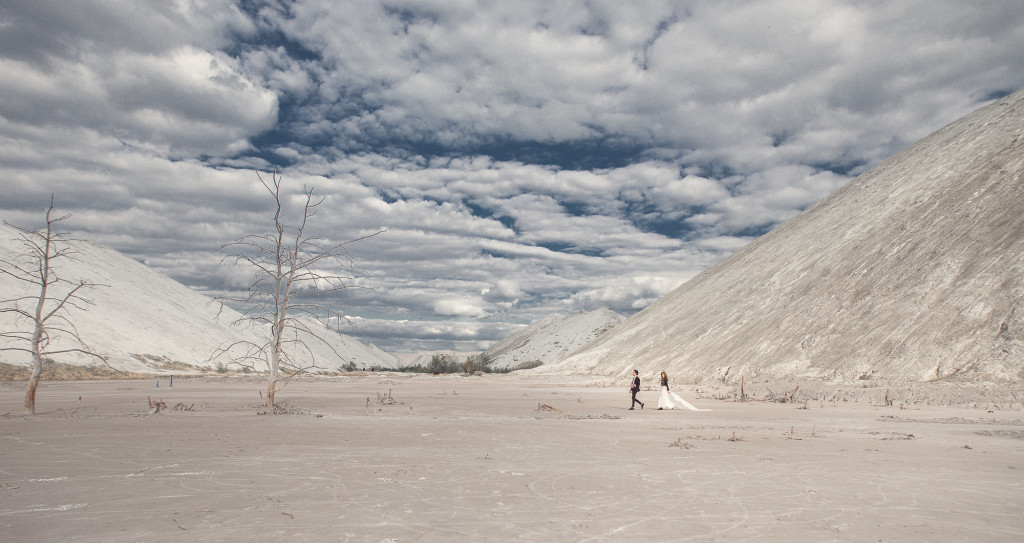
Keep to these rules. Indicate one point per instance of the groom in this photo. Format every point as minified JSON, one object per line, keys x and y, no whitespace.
{"x":633,"y":389}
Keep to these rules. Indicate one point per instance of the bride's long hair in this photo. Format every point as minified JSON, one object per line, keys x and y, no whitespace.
{"x":664,"y":376}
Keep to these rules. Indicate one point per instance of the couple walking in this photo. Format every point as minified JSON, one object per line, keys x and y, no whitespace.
{"x":667,"y":400}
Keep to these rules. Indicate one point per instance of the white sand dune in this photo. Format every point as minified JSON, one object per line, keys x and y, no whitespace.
{"x":552,"y":338}
{"x":142,"y":320}
{"x":913,"y":271}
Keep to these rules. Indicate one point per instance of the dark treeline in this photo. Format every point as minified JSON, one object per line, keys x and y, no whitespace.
{"x":446,"y":363}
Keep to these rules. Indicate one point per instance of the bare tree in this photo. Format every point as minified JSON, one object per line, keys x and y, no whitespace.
{"x":296,"y":277}
{"x":52,"y":330}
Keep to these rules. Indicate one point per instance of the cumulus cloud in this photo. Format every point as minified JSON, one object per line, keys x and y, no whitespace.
{"x":627,"y":294}
{"x":459,"y":307}
{"x":104,"y":73}
{"x":702,"y":80}
{"x":524,"y":157}
{"x":410,"y":335}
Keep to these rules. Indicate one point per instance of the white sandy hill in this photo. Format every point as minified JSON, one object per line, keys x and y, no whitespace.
{"x":145,"y":321}
{"x":552,"y":338}
{"x":914,"y":271}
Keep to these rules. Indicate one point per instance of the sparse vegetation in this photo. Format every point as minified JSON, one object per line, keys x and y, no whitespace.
{"x":57,"y":371}
{"x":163,"y":363}
{"x":523,"y":366}
{"x":446,"y":363}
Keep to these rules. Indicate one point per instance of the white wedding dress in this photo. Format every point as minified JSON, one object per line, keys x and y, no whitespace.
{"x":671,"y":400}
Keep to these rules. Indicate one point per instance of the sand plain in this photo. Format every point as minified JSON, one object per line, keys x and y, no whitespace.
{"x":458,"y":458}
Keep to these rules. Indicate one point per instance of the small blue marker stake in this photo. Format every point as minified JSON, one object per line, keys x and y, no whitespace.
{"x":158,"y":383}
{"x":172,"y":382}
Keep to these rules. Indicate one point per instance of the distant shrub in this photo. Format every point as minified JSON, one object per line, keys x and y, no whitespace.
{"x":523,"y":366}
{"x":479,"y":362}
{"x":444,"y":363}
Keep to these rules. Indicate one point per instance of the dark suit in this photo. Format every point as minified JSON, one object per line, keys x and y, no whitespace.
{"x":634,"y":389}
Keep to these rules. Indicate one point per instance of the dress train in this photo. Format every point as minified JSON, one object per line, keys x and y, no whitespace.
{"x":671,"y":400}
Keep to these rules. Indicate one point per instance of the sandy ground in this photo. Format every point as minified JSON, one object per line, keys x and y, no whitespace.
{"x":473,"y":459}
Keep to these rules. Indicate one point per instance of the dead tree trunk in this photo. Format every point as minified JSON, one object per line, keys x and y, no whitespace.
{"x":49,"y":316}
{"x":38,"y":331}
{"x":30,"y":393}
{"x":292,"y":283}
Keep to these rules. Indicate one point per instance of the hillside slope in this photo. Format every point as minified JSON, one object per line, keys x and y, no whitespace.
{"x":913,"y":271}
{"x":142,"y":320}
{"x":552,"y":338}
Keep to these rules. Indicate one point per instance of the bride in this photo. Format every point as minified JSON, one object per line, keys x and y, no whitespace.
{"x":671,"y":400}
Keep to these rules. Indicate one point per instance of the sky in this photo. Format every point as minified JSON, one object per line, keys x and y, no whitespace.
{"x":522,"y":158}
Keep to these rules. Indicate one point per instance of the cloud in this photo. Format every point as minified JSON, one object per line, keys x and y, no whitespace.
{"x":524,"y":158}
{"x":766,"y":198}
{"x":661,"y":77}
{"x":161,"y":94}
{"x":504,"y":289}
{"x":405,"y":335}
{"x":459,"y":307}
{"x":626,"y":295}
